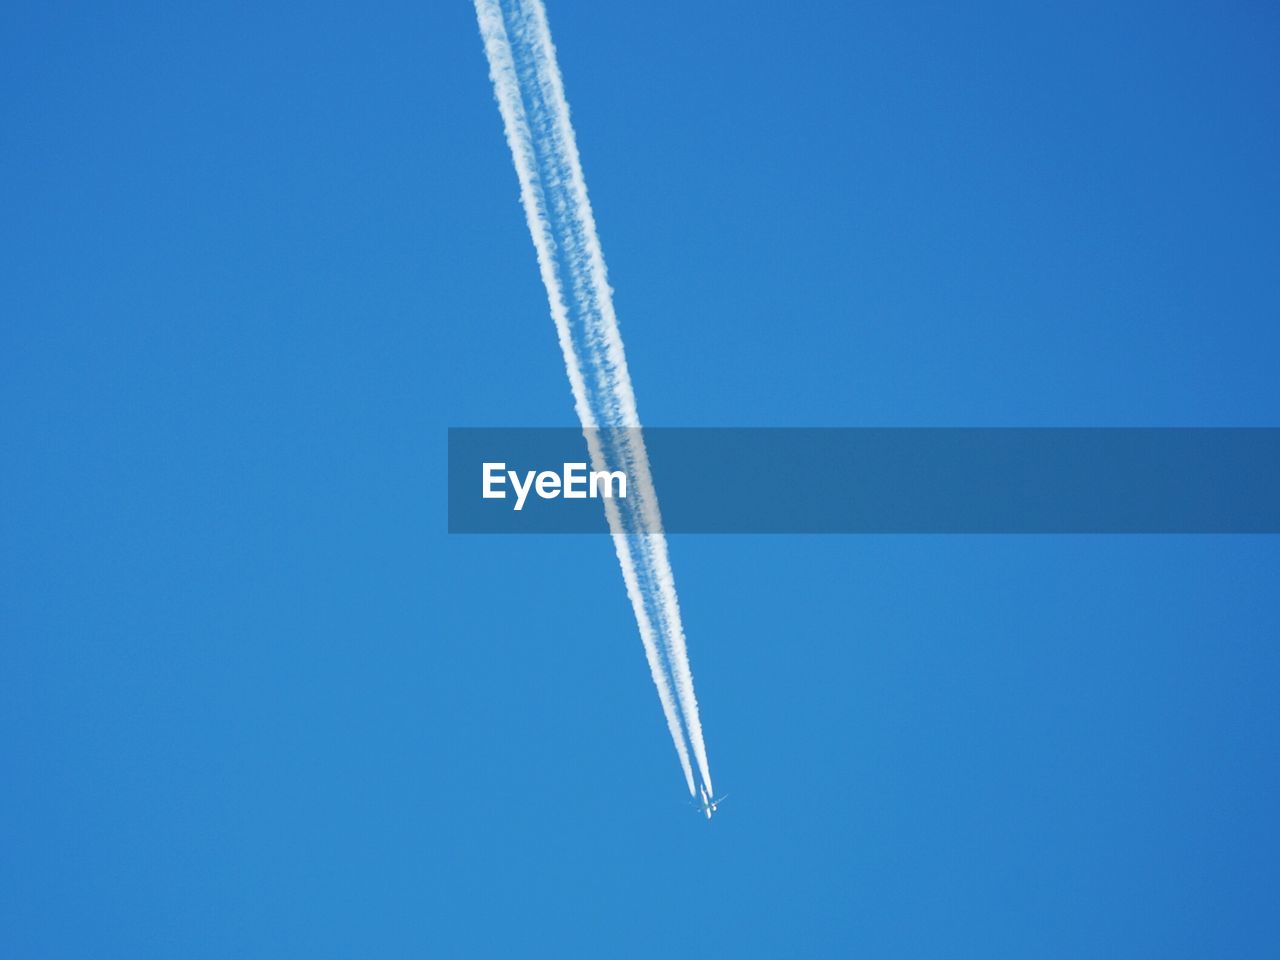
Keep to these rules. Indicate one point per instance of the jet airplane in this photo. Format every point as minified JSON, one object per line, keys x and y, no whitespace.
{"x":710,"y":805}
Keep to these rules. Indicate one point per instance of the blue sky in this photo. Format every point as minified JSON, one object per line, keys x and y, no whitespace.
{"x":256,"y":702}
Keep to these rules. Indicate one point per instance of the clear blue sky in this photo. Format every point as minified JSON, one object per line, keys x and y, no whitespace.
{"x":254,"y":702}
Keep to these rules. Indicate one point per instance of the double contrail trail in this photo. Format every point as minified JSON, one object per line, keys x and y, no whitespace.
{"x":535,"y":114}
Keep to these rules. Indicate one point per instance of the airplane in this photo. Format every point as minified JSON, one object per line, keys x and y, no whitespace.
{"x":710,"y":805}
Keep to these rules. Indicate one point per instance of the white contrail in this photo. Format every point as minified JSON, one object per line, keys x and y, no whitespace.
{"x":535,"y":114}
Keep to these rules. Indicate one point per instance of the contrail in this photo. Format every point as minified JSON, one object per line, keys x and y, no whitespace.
{"x":535,"y":115}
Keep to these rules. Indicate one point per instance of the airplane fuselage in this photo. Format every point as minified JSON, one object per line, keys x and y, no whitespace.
{"x":709,"y":804}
